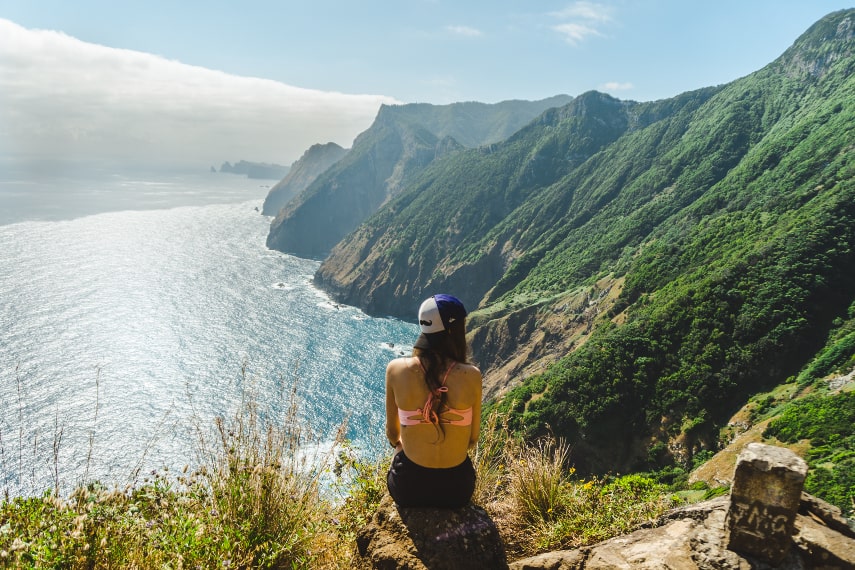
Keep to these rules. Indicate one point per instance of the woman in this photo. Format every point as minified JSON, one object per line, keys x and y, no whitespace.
{"x":433,"y":412}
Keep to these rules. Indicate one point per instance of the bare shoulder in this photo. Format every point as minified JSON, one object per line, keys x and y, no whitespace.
{"x":398,"y":365}
{"x":470,"y":371}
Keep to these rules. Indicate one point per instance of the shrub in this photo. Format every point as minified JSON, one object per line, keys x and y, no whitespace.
{"x":537,"y":477}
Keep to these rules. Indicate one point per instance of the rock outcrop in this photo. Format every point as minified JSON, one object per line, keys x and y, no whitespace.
{"x":428,"y":539}
{"x":764,"y":500}
{"x":260,"y":170}
{"x":767,"y":522}
{"x":694,"y":538}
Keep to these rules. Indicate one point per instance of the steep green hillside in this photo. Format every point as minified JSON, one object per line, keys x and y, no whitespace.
{"x":400,"y":143}
{"x":482,"y":218}
{"x":736,"y":291}
{"x":726,"y":215}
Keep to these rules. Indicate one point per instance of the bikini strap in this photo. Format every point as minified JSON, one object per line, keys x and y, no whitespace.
{"x":427,"y":410}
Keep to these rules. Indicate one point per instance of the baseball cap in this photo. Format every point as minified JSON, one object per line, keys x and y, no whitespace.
{"x":438,"y":312}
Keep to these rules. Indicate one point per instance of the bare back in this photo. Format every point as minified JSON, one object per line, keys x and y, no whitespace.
{"x":425,"y":443}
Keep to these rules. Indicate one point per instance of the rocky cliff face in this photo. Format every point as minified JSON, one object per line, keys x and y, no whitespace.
{"x":317,"y":159}
{"x":813,"y":55}
{"x":381,"y":160}
{"x":401,"y":142}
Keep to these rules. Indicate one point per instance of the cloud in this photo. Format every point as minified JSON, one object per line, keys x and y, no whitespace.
{"x":580,"y":21}
{"x":574,"y":34}
{"x":616,"y":86}
{"x":64,"y":99}
{"x":464,"y":31}
{"x":585,"y":11}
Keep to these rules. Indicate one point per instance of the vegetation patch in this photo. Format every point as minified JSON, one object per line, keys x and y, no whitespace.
{"x":828,"y":422}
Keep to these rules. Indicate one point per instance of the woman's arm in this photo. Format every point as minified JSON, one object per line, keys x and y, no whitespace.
{"x":476,"y":413}
{"x":393,"y":423}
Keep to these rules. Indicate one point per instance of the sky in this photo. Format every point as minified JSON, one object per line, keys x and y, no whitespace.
{"x":190,"y":84}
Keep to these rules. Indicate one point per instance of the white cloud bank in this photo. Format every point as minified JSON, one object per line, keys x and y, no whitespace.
{"x":62,"y":99}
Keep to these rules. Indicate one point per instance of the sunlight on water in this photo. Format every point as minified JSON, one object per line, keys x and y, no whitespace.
{"x":118,"y":329}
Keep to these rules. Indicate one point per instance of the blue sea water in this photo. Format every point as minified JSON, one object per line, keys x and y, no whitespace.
{"x":122,"y":331}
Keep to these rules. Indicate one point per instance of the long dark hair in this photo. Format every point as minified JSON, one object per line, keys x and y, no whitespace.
{"x":438,"y":352}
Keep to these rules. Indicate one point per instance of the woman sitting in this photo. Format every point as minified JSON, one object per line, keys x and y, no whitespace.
{"x":433,"y":412}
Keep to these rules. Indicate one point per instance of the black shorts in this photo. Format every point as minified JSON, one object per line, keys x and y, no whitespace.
{"x":412,"y":485}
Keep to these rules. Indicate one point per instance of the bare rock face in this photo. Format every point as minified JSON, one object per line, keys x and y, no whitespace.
{"x":767,"y":522}
{"x":430,"y":539}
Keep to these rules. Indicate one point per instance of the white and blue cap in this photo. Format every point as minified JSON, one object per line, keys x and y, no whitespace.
{"x":438,"y":312}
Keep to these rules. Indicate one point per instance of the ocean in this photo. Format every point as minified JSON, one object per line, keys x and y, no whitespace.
{"x":123,"y":331}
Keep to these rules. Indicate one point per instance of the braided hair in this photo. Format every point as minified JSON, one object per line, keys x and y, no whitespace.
{"x":438,"y":352}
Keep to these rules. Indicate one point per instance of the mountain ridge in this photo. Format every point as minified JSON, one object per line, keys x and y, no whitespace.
{"x":616,"y":227}
{"x":402,"y":141}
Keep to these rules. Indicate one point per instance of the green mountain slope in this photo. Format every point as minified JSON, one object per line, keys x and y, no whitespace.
{"x":657,"y":262}
{"x":460,"y":224}
{"x":401,"y":142}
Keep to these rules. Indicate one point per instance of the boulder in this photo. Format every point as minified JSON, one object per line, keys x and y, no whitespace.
{"x":764,"y":500}
{"x":430,"y":539}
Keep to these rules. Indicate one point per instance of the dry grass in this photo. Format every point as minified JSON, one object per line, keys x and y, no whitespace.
{"x":259,"y":500}
{"x":539,"y":503}
{"x":255,"y":501}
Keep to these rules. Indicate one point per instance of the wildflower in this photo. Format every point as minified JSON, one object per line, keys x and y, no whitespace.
{"x":18,"y":544}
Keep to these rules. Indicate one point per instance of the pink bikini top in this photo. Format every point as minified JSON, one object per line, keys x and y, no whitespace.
{"x":426,"y":415}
